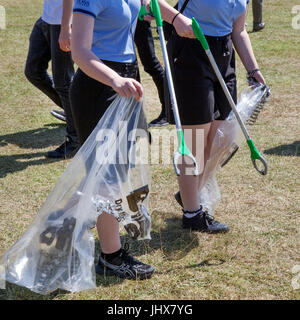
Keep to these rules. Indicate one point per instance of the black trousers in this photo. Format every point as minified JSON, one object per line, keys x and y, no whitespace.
{"x":257,"y":9}
{"x":145,"y":46}
{"x":89,"y":101}
{"x":91,"y":98}
{"x":43,"y":48}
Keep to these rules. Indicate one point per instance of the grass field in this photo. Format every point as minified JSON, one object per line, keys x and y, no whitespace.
{"x":253,"y":261}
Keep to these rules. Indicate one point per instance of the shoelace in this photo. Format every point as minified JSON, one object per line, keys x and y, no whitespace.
{"x":210,"y":219}
{"x":127,"y":257}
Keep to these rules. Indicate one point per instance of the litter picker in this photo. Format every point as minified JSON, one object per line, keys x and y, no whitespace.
{"x":182,"y":150}
{"x":255,"y":155}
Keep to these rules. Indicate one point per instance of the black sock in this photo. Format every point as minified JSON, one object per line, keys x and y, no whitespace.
{"x":110,"y":256}
{"x":192,"y":214}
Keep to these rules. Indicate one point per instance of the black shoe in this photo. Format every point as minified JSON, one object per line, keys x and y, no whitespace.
{"x":203,"y":222}
{"x":159,"y":122}
{"x":60,"y":115}
{"x":65,"y":151}
{"x":177,"y":197}
{"x":258,"y":27}
{"x":124,"y":266}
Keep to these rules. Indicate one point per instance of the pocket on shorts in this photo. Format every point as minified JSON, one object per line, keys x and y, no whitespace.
{"x":175,"y":47}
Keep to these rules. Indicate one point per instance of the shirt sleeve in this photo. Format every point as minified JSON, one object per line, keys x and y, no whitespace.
{"x":89,"y":7}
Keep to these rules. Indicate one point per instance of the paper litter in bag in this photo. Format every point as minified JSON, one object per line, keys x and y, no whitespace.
{"x":228,"y":138}
{"x":106,"y":175}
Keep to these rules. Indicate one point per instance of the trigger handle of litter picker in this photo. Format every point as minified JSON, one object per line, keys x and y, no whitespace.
{"x":143,"y":12}
{"x":255,"y":155}
{"x":177,"y":156}
{"x":155,"y":10}
{"x":264,"y":162}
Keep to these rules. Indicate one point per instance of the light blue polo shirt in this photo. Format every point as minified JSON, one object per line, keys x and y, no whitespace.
{"x":115,"y":23}
{"x":52,"y":11}
{"x":215,"y":17}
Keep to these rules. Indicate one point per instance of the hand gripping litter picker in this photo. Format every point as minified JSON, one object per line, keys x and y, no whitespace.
{"x":182,"y":150}
{"x":255,"y":155}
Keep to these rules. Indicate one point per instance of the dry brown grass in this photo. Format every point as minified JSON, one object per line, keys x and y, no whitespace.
{"x":253,"y":261}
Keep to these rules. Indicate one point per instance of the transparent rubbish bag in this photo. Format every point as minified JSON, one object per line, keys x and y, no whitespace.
{"x":227,"y":139}
{"x":108,"y":174}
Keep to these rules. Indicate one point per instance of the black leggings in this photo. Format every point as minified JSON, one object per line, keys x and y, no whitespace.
{"x":91,"y":98}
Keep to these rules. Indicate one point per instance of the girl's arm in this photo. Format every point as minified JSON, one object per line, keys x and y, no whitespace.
{"x":244,"y":49}
{"x":88,"y":62}
{"x":65,"y":30}
{"x":182,"y":24}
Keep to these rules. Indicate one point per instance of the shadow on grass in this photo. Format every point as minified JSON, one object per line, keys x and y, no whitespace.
{"x":50,"y":134}
{"x":285,"y":150}
{"x":19,"y":162}
{"x":174,"y":242}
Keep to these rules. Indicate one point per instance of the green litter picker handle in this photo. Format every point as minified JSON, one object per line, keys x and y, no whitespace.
{"x":255,"y":155}
{"x":199,"y":34}
{"x":154,"y":12}
{"x":143,"y":12}
{"x":182,"y":150}
{"x":155,"y":9}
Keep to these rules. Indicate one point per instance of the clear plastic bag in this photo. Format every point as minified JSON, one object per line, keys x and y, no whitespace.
{"x":228,"y":138}
{"x":106,"y":175}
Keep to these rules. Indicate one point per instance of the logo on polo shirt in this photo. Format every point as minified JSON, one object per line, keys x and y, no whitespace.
{"x":84,"y":3}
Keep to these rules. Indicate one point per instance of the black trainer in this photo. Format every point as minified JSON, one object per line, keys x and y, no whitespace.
{"x":258,"y":27}
{"x":124,"y":266}
{"x":204,"y":222}
{"x":65,"y":151}
{"x":177,"y":197}
{"x":60,"y":115}
{"x":159,"y":122}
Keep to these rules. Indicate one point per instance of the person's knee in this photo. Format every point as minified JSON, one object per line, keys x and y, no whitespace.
{"x":33,"y":75}
{"x":29,"y":73}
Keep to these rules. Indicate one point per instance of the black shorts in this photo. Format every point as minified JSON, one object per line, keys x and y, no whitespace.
{"x":199,"y":94}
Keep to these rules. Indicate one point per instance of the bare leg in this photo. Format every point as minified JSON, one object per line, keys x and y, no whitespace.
{"x":108,"y":232}
{"x":188,"y":184}
{"x":214,"y":158}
